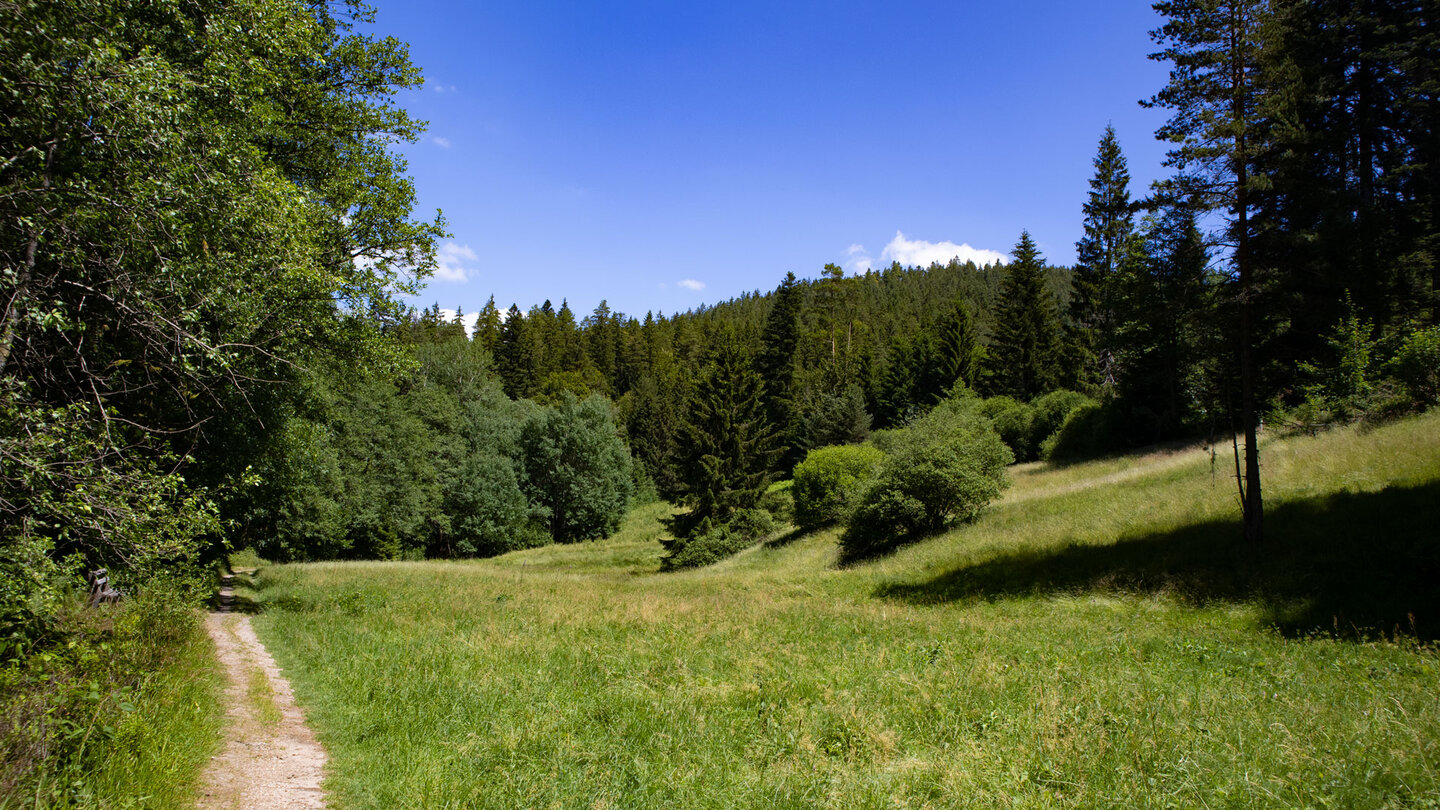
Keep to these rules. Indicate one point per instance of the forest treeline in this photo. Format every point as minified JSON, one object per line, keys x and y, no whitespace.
{"x":202,"y":345}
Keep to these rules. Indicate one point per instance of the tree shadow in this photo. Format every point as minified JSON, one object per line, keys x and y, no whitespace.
{"x":1353,"y":564}
{"x":795,"y":533}
{"x":236,"y":594}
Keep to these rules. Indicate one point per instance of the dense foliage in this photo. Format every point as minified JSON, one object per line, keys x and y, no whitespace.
{"x":577,"y":471}
{"x":827,"y":482}
{"x":945,"y":467}
{"x":180,"y":234}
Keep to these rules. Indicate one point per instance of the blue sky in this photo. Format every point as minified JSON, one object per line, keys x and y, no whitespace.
{"x":663,"y":155}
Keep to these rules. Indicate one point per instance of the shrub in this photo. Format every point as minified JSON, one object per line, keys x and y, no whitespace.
{"x":1090,"y":430}
{"x":1051,"y":411}
{"x":1417,"y":365}
{"x":88,"y":714}
{"x":710,"y":541}
{"x":946,"y":466}
{"x":828,"y":480}
{"x":1014,"y":421}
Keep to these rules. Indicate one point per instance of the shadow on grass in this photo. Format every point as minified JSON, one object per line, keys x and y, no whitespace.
{"x":241,"y":598}
{"x":1354,"y":564}
{"x":787,"y":538}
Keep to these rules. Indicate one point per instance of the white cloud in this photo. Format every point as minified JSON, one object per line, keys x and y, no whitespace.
{"x":469,"y":319}
{"x":919,"y":253}
{"x":857,"y":260}
{"x":452,"y":259}
{"x":443,"y":88}
{"x":691,"y":284}
{"x":443,"y":143}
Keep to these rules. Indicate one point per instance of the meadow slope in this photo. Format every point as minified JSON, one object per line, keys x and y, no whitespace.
{"x":1098,"y":638}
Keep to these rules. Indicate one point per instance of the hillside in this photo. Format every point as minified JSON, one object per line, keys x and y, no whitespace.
{"x":1097,"y":638}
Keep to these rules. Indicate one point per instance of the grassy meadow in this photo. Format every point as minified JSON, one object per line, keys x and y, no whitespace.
{"x":1098,"y":638}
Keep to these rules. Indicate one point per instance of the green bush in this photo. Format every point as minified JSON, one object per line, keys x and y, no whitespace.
{"x":828,"y":480}
{"x":1014,"y":421}
{"x":945,"y":467}
{"x":122,"y":701}
{"x":1417,"y":365}
{"x":1090,"y":430}
{"x":1051,"y":411}
{"x":711,"y":541}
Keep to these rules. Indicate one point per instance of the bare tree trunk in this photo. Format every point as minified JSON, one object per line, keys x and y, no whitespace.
{"x":17,"y":298}
{"x":1252,"y":505}
{"x":27,"y":273}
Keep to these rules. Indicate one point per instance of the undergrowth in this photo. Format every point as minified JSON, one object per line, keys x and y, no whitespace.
{"x":119,"y":709}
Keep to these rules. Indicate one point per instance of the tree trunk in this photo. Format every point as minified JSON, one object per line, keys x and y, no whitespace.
{"x":1252,"y":505}
{"x":17,"y":298}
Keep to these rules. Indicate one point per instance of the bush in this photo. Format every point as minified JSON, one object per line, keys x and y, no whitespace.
{"x":828,"y":480}
{"x":710,"y":541}
{"x":1090,"y":430}
{"x":120,"y":694}
{"x":1417,"y":365}
{"x":1014,"y":421}
{"x":945,"y":467}
{"x":1051,"y":411}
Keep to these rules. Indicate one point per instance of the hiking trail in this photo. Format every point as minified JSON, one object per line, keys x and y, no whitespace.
{"x":271,"y":759}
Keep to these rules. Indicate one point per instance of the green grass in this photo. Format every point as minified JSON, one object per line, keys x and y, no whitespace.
{"x":261,"y":697}
{"x":1097,"y":639}
{"x":158,"y":751}
{"x":124,"y":713}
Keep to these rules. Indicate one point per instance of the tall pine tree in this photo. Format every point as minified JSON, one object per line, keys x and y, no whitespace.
{"x":1109,"y":225}
{"x":514,"y":359}
{"x":776,"y":364}
{"x":1026,"y":356}
{"x":1215,"y":48}
{"x":1163,"y":327}
{"x":957,"y":353}
{"x":728,"y":444}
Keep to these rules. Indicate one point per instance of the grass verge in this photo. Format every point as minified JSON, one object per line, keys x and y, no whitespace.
{"x":124,"y":711}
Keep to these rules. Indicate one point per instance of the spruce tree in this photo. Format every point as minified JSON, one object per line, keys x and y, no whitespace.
{"x":1215,"y":89}
{"x":895,"y":388}
{"x":1163,"y":324}
{"x":776,"y":364}
{"x":1109,"y":225}
{"x":728,"y":441}
{"x":1026,"y":357}
{"x":957,"y":350}
{"x":487,"y":326}
{"x":652,"y":423}
{"x":513,"y":358}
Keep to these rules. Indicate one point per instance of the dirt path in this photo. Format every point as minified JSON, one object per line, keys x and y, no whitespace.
{"x":271,"y":758}
{"x":1152,"y":463}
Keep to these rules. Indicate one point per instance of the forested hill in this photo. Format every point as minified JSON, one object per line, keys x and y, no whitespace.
{"x":849,"y":331}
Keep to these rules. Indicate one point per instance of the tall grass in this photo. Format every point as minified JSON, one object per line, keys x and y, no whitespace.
{"x":122,"y":712}
{"x":1095,"y":639}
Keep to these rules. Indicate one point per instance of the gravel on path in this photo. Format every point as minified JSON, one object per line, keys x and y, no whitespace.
{"x":271,"y":758}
